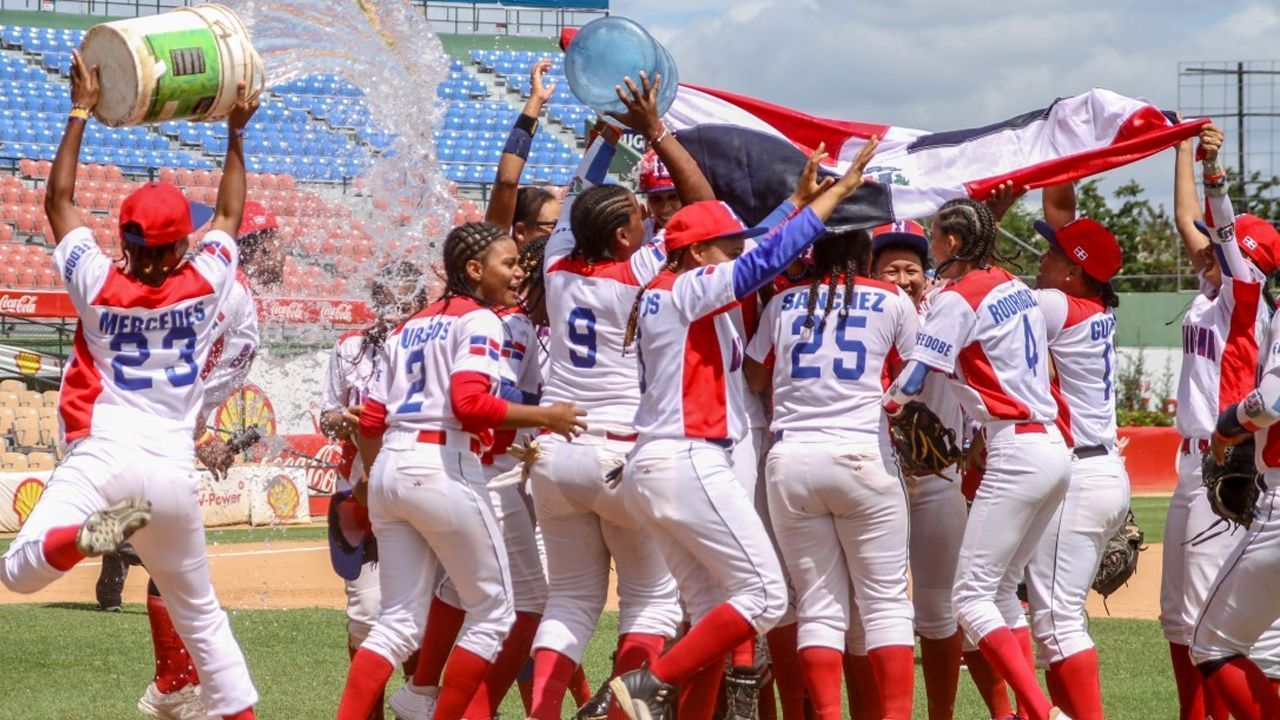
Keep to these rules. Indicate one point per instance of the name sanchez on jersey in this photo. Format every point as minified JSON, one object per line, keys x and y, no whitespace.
{"x":862,"y":301}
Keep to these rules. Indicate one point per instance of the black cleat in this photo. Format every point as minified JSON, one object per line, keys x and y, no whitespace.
{"x":742,"y":693}
{"x":597,"y":707}
{"x":642,"y":696}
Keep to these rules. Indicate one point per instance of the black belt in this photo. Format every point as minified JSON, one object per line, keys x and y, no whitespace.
{"x":725,"y":443}
{"x":1089,"y":451}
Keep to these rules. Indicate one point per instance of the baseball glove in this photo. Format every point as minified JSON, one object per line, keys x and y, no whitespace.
{"x":1119,"y":558}
{"x":1233,"y":486}
{"x":924,"y":445}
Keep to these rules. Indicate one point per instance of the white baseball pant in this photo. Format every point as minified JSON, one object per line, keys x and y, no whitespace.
{"x":938,"y":513}
{"x":1024,"y":483}
{"x":707,"y":528}
{"x":1067,"y":558}
{"x":430,"y":510}
{"x":840,"y":514}
{"x":752,"y":451}
{"x":584,"y":524}
{"x":98,"y":472}
{"x":1241,"y":606}
{"x":364,"y":602}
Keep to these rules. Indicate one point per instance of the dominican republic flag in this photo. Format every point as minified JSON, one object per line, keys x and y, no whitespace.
{"x":752,"y":152}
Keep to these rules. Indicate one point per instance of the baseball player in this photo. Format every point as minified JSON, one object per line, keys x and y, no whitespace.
{"x":429,"y":411}
{"x":130,"y":397}
{"x":661,"y":200}
{"x":1222,"y":331}
{"x":690,"y":415}
{"x":530,"y":212}
{"x":985,"y":330}
{"x":837,"y":504}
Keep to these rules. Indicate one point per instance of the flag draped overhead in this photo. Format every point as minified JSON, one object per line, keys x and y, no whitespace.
{"x":752,"y":152}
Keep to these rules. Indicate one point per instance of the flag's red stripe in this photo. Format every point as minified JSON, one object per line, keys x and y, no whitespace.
{"x":804,"y":130}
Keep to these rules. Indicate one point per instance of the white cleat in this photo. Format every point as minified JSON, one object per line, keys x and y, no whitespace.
{"x":408,"y":704}
{"x":107,"y":529}
{"x":185,"y":703}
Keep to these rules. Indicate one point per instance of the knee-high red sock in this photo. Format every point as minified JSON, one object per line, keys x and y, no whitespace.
{"x":1244,"y":689}
{"x":990,"y":687}
{"x":1057,"y":691}
{"x":1081,"y":688}
{"x":860,"y":681}
{"x":1189,"y":681}
{"x":1006,"y":655}
{"x":552,"y":673}
{"x":895,"y":677}
{"x":465,"y":673}
{"x":940,"y":662}
{"x":579,"y":687}
{"x":1215,"y":706}
{"x":768,"y":708}
{"x":246,"y":714}
{"x":787,"y":673}
{"x":744,"y":655}
{"x":1023,"y":635}
{"x":366,"y":680}
{"x":59,"y":547}
{"x":174,"y":669}
{"x":699,"y":694}
{"x":821,"y":668}
{"x":636,"y":649}
{"x":707,"y":642}
{"x":515,"y":650}
{"x":444,"y":621}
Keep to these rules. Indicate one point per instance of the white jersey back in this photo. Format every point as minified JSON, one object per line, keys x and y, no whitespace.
{"x":519,"y":364}
{"x":346,"y":383}
{"x":986,"y":331}
{"x":831,"y":376}
{"x":232,"y":353}
{"x":414,"y":373}
{"x":1082,"y":342}
{"x":1220,"y":341}
{"x":135,"y":368}
{"x":690,"y":357}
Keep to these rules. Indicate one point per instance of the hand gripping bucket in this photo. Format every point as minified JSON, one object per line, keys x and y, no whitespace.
{"x":178,"y":65}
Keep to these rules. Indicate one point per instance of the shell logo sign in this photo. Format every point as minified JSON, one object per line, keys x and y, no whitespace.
{"x":25,"y":498}
{"x":247,"y":406}
{"x":282,"y":497}
{"x":27,"y":363}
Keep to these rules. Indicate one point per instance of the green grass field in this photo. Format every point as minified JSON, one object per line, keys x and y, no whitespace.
{"x":69,"y":662}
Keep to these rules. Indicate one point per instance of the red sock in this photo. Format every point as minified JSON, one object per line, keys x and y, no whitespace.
{"x":466,"y":671}
{"x":636,"y":649}
{"x":366,"y":680}
{"x":787,"y":673}
{"x":1082,"y":691}
{"x":1023,"y":635}
{"x":860,"y":681}
{"x":1244,"y":689}
{"x":1215,"y":706}
{"x":525,"y":688}
{"x":552,"y":673}
{"x":990,"y":687}
{"x":821,"y":668}
{"x":940,"y":663}
{"x":174,"y":669}
{"x":699,"y":695}
{"x":1189,"y":681}
{"x":708,"y":641}
{"x":894,"y":668}
{"x":768,"y":707}
{"x":246,"y":714}
{"x":744,"y":655}
{"x":515,"y":651}
{"x":1006,"y":655}
{"x":444,"y":622}
{"x":579,"y":687}
{"x":59,"y":547}
{"x":1275,"y":686}
{"x":1057,"y":692}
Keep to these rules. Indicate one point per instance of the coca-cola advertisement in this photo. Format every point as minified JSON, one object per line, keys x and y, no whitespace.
{"x":337,"y":313}
{"x":36,"y":304}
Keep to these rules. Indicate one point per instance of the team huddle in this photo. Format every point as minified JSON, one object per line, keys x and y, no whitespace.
{"x":713,"y":414}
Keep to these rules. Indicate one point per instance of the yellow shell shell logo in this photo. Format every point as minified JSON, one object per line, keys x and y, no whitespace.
{"x":27,"y":363}
{"x":247,"y":406}
{"x":282,"y":497}
{"x":25,"y":498}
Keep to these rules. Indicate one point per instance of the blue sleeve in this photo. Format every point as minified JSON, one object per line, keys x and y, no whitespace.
{"x":508,"y":391}
{"x":778,"y":216}
{"x":775,"y":252}
{"x":597,"y":164}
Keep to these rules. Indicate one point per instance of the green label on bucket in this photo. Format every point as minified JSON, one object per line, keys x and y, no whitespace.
{"x":192,"y":76}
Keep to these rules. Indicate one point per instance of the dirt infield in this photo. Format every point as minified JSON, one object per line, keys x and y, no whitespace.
{"x":297,"y":574}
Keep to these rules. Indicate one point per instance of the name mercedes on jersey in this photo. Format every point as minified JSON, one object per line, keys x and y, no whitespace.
{"x":115,"y":323}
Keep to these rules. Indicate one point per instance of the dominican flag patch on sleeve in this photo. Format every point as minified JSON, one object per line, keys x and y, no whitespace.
{"x":513,"y":350}
{"x":218,"y":250}
{"x":481,"y":345}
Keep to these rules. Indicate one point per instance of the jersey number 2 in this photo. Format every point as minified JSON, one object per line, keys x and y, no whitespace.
{"x":180,"y":375}
{"x":415,"y":366}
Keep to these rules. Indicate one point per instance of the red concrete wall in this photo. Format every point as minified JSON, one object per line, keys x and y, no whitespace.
{"x":1151,"y":459}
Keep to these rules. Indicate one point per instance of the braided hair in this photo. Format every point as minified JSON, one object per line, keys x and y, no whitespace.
{"x":974,"y":224}
{"x":837,"y":253}
{"x":595,"y":218}
{"x":633,"y":319}
{"x":463,"y":244}
{"x":532,"y":290}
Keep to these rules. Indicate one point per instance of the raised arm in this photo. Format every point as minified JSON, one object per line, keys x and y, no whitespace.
{"x":1186,"y":205}
{"x":230,"y":207}
{"x":1219,"y":216}
{"x":1059,"y":202}
{"x":502,"y":197}
{"x":642,"y":116}
{"x":59,"y":198}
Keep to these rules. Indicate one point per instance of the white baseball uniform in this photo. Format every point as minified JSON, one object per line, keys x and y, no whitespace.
{"x":130,"y":395}
{"x":1081,"y":334}
{"x":583,"y":522}
{"x":346,"y":383}
{"x":233,"y":351}
{"x":837,"y":504}
{"x":986,"y":331}
{"x":427,"y":497}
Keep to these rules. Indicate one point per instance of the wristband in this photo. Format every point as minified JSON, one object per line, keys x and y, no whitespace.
{"x":237,"y":133}
{"x":661,"y":136}
{"x":79,"y":112}
{"x":519,"y":141}
{"x":527,"y":123}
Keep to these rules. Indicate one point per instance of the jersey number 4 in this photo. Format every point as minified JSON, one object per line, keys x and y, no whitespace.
{"x":844,"y":369}
{"x":132,"y":352}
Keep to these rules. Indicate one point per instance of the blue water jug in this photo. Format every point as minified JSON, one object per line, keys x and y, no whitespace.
{"x":612,"y":48}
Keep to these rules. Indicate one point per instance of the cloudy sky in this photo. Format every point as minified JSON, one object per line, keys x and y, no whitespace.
{"x":947,"y":64}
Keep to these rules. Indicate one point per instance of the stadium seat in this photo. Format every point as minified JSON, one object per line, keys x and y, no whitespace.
{"x":48,"y":431}
{"x":13,"y":461}
{"x":40,"y":461}
{"x":26,"y":432}
{"x":13,"y":385}
{"x":51,"y":398}
{"x":6,"y":420}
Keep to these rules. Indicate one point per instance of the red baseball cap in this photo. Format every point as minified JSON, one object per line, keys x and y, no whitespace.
{"x":256,"y":218}
{"x":904,"y":234}
{"x":654,"y":177}
{"x":162,"y":213}
{"x":703,"y":221}
{"x":1258,"y":240}
{"x":1088,"y":244}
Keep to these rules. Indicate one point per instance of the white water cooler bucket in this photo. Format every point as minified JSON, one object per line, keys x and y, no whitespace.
{"x":183,"y":64}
